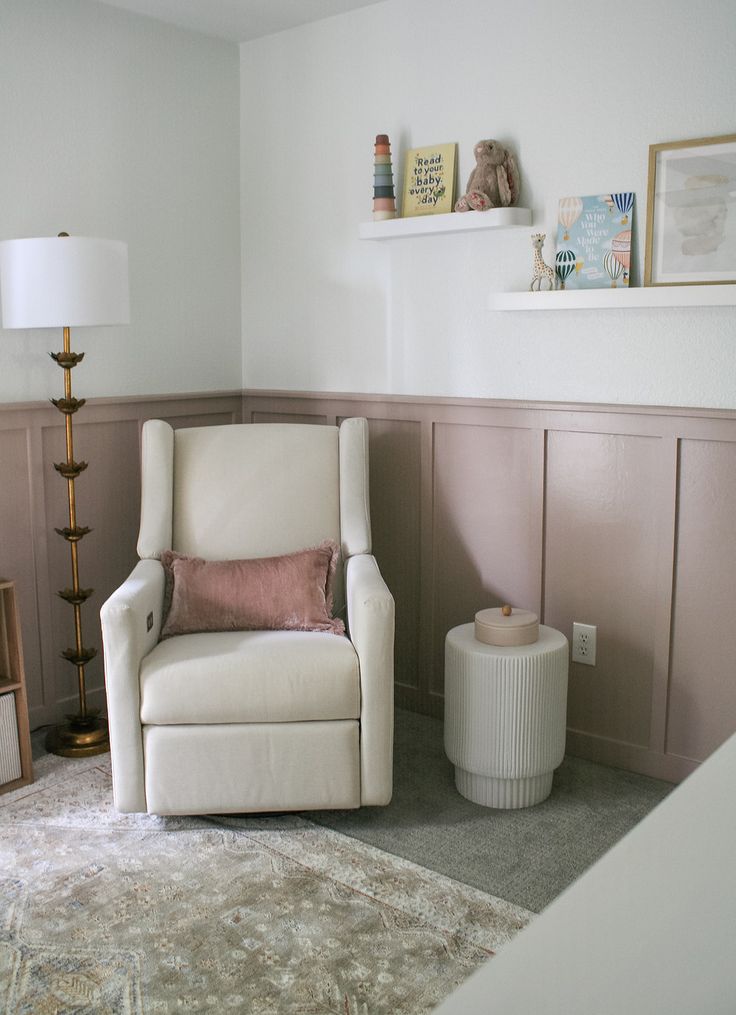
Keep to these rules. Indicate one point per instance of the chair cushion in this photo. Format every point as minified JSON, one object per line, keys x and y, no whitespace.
{"x":250,"y":676}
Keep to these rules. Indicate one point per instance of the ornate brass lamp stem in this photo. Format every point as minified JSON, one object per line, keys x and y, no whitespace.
{"x":85,"y":733}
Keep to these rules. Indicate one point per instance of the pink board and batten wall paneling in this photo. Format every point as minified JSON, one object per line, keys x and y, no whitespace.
{"x":395,"y":476}
{"x":700,"y":703}
{"x":17,"y":525}
{"x":601,"y":568}
{"x":609,"y":515}
{"x":615,"y":516}
{"x":488,"y":503}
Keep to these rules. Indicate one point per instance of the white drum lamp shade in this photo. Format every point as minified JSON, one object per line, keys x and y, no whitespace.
{"x":63,"y":281}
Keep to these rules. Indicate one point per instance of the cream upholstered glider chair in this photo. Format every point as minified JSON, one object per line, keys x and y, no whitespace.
{"x":255,"y":720}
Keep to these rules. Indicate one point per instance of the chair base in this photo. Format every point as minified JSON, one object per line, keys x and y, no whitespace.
{"x":241,"y":768}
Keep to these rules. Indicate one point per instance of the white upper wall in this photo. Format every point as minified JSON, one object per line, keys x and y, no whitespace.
{"x":118,"y":126}
{"x":579,"y":92}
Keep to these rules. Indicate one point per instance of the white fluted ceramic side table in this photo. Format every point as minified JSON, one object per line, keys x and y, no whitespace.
{"x":505,"y":716}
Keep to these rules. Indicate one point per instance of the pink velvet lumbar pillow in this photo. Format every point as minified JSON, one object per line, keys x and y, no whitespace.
{"x":288,"y":593}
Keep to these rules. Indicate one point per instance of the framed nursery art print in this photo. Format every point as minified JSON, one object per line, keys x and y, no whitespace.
{"x":691,"y":212}
{"x":429,"y":180}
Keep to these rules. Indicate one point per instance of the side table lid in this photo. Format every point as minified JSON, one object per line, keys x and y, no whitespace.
{"x":505,"y":626}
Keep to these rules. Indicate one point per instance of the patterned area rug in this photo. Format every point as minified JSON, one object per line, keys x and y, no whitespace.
{"x":109,"y":914}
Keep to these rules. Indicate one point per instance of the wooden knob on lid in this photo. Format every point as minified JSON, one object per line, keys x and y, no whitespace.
{"x":506,"y":610}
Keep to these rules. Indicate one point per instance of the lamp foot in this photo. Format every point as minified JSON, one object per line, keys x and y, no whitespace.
{"x":81,"y":737}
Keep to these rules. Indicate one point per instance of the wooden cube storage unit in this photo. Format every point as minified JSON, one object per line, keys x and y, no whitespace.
{"x":15,"y":737}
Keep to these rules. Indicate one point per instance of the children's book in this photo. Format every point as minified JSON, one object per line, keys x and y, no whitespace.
{"x":594,"y":241}
{"x":429,"y":180}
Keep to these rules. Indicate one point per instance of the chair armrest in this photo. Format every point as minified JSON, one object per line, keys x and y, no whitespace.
{"x":370,"y":611}
{"x":126,"y":640}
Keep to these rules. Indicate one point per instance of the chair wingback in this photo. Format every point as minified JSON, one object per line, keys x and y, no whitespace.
{"x":250,"y":490}
{"x":355,"y":514}
{"x":157,"y":488}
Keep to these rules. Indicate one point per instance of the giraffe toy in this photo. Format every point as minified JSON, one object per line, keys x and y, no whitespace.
{"x":541,"y":270}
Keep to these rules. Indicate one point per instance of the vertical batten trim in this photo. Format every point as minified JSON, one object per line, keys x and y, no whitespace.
{"x":668,"y":487}
{"x":543,"y":540}
{"x":427,"y":678}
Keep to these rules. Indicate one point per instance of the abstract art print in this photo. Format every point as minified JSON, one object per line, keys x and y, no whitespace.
{"x":594,"y":241}
{"x":691,"y":212}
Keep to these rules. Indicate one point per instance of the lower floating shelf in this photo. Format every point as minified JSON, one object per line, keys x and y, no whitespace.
{"x":600,"y":299}
{"x":452,"y":222}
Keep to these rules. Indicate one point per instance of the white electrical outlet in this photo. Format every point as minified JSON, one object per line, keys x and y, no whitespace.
{"x":583,"y":643}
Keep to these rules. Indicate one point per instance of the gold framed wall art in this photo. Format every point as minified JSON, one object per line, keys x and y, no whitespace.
{"x":691,"y":212}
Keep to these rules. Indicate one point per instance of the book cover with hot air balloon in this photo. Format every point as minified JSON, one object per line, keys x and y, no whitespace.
{"x":594,"y":241}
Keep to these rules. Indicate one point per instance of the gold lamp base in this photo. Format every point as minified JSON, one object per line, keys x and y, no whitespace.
{"x":81,"y":737}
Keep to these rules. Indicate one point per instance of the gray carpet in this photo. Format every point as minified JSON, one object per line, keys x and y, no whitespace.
{"x":525,"y":856}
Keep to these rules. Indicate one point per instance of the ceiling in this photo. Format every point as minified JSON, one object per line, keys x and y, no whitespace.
{"x":239,"y":20}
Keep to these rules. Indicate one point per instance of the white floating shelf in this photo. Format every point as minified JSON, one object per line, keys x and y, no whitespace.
{"x":600,"y":299}
{"x":453,"y":222}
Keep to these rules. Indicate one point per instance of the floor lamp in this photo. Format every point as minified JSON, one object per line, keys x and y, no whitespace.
{"x":65,"y":282}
